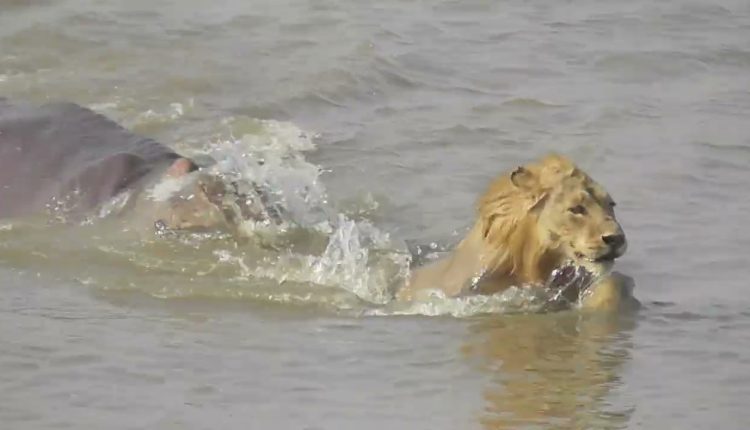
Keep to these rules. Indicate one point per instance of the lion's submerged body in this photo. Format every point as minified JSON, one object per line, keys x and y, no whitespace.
{"x":463,"y":271}
{"x":530,"y":222}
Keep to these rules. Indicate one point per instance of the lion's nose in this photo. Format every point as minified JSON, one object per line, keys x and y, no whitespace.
{"x":615,"y":241}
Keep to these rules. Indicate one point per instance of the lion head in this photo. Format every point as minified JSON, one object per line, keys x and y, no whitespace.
{"x":544,"y":214}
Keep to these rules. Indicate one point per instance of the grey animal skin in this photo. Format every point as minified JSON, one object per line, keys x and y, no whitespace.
{"x":64,"y":153}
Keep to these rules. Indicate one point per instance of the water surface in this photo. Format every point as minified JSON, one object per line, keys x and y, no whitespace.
{"x":413,"y":107}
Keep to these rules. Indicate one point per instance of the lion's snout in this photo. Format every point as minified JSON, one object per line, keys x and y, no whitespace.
{"x":615,"y":241}
{"x":616,"y":244}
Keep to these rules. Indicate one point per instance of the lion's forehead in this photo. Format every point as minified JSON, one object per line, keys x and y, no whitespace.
{"x":582,"y":190}
{"x":598,"y":192}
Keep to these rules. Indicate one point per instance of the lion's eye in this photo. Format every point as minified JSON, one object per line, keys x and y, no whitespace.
{"x":612,"y":204}
{"x":578,"y":210}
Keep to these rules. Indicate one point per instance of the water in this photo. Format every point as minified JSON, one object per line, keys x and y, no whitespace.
{"x":412,"y":107}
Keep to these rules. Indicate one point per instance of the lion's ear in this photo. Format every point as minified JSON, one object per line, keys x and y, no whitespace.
{"x":533,"y":192}
{"x":523,"y":178}
{"x":555,"y":167}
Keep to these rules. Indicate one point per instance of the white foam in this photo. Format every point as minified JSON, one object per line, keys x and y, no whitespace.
{"x":358,"y":258}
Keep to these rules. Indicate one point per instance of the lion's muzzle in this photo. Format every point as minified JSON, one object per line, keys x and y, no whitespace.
{"x":617,"y":244}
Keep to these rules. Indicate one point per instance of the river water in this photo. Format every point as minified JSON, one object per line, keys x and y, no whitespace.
{"x":393,"y":116}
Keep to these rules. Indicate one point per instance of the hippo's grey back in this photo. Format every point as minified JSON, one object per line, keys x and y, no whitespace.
{"x":64,"y":153}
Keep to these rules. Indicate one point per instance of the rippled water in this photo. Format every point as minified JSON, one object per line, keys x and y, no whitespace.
{"x":413,"y":107}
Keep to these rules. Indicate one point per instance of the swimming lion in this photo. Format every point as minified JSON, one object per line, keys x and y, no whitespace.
{"x":530,"y":222}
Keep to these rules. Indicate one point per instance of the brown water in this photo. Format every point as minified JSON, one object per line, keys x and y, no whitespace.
{"x":413,"y":106}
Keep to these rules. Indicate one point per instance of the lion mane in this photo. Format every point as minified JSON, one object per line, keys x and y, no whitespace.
{"x":508,"y":223}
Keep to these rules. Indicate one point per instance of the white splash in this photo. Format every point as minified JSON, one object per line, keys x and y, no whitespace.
{"x":269,"y":156}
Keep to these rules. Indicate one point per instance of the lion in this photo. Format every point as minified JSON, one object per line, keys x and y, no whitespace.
{"x":530,"y":222}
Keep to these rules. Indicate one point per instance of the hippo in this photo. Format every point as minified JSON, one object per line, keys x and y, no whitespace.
{"x":65,"y":158}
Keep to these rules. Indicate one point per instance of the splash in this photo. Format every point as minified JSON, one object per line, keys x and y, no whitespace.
{"x":268,"y":158}
{"x":350,"y":259}
{"x":354,"y":256}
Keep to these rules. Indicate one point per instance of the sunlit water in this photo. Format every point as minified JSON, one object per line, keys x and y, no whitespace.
{"x":377,"y":125}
